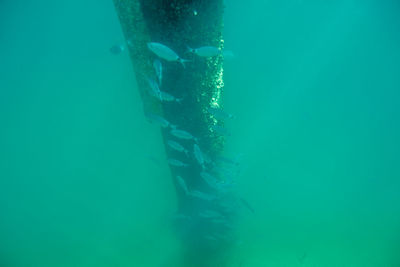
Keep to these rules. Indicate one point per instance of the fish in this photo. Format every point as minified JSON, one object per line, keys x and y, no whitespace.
{"x":182,"y":184}
{"x":176,"y":163}
{"x":176,"y":146}
{"x":158,"y":69}
{"x":182,"y":134}
{"x":170,"y":98}
{"x":209,"y":179}
{"x":154,"y":89}
{"x":228,"y":173}
{"x":201,"y":195}
{"x":227,"y":160}
{"x":198,"y":155}
{"x":220,"y":130}
{"x":219,"y":113}
{"x":205,"y":51}
{"x":228,"y":54}
{"x":117,"y":49}
{"x":153,"y":118}
{"x":165,"y":53}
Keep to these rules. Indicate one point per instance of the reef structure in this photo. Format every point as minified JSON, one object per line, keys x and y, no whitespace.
{"x":206,"y":203}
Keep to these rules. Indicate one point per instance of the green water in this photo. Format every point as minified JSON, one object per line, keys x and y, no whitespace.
{"x":315,"y":90}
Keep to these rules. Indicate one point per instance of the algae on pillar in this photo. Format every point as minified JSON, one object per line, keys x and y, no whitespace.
{"x":207,"y":211}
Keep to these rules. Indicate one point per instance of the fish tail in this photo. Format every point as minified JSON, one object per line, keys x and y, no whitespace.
{"x":189,"y":49}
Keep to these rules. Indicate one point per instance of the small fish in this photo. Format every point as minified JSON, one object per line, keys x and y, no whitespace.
{"x":182,"y":184}
{"x":158,"y":69}
{"x":165,"y":53}
{"x":220,"y":114}
{"x":153,"y":118}
{"x":228,"y":54}
{"x":117,"y":49}
{"x":227,"y":160}
{"x":170,"y":98}
{"x":182,"y":134}
{"x":220,"y":130}
{"x":228,"y":173}
{"x":154,"y":89}
{"x":201,"y":195}
{"x":209,"y":179}
{"x":176,"y":146}
{"x":176,"y":163}
{"x":205,"y":51}
{"x":198,"y":155}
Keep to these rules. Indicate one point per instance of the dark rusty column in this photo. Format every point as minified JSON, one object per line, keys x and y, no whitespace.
{"x":179,"y":24}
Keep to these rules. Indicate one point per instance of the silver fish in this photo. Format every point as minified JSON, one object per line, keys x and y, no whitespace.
{"x":220,"y":114}
{"x":201,"y":195}
{"x":228,"y":54}
{"x":182,"y":184}
{"x":117,"y":49}
{"x":205,"y":51}
{"x":209,"y":179}
{"x":158,"y":69}
{"x":227,"y":160}
{"x":177,"y":163}
{"x":176,"y":146}
{"x":182,"y":134}
{"x":168,"y":97}
{"x":154,"y":89}
{"x":165,"y":53}
{"x":220,"y":130}
{"x":153,"y":118}
{"x":198,"y":155}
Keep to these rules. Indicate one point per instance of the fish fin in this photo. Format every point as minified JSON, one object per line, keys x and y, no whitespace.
{"x":189,"y":49}
{"x":183,"y":61}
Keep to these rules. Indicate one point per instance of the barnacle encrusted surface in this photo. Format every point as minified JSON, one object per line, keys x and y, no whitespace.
{"x":180,"y":24}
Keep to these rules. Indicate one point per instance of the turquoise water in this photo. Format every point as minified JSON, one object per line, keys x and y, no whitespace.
{"x":315,"y":90}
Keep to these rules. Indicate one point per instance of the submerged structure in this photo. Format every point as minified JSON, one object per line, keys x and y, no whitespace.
{"x":176,"y":48}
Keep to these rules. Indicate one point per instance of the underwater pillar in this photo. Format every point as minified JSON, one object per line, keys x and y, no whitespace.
{"x":206,"y":210}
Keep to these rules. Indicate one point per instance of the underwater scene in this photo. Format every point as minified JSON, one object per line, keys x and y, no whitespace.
{"x":199,"y":133}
